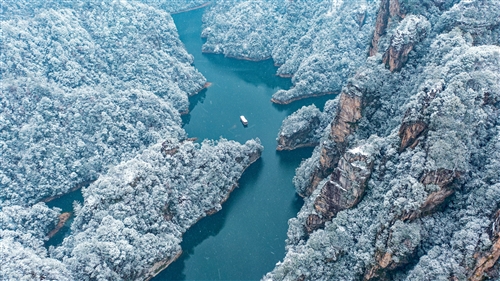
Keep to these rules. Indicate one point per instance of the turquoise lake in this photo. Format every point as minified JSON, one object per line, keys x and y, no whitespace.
{"x":246,"y":238}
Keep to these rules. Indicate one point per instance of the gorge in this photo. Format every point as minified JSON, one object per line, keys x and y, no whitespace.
{"x":396,"y":177}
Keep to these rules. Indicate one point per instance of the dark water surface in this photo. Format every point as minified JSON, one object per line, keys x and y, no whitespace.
{"x":247,"y":237}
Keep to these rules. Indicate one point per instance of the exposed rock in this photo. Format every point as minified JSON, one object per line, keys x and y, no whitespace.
{"x":360,"y":18}
{"x":344,"y":189}
{"x":435,"y":199}
{"x":396,"y":57}
{"x":328,"y":160}
{"x":442,"y":178}
{"x":487,"y":264}
{"x":409,"y":132}
{"x":349,"y":113}
{"x":400,"y":249}
{"x":410,"y":31}
{"x":412,"y":129}
{"x":314,"y":222}
{"x":394,"y":9}
{"x":299,"y":129}
{"x":63,"y":218}
{"x":159,"y":266}
{"x":380,"y":25}
{"x":386,"y":10}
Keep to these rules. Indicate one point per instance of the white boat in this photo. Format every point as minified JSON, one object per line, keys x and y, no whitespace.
{"x":243,"y":120}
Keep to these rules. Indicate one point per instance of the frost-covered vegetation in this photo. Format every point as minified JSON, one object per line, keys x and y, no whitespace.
{"x":22,"y":254}
{"x":86,"y":88}
{"x":27,"y":8}
{"x":318,"y":43}
{"x":135,"y":215}
{"x":91,"y":95}
{"x":430,"y":208}
{"x":306,"y":126}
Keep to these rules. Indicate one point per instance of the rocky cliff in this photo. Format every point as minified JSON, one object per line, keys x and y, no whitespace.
{"x":421,"y":201}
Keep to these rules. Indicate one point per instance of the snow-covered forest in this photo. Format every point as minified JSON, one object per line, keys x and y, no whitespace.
{"x":91,"y":98}
{"x":403,"y":182}
{"x":320,"y":44}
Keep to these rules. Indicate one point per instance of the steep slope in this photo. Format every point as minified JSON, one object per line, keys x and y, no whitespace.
{"x":406,"y":186}
{"x":320,"y":44}
{"x":91,"y":96}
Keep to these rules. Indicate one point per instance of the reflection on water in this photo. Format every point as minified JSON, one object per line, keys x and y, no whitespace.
{"x":193,"y":101}
{"x":207,"y":227}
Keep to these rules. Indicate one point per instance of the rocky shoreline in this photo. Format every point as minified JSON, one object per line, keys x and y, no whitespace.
{"x":63,"y":218}
{"x":288,"y":101}
{"x":161,"y":265}
{"x":236,"y":57}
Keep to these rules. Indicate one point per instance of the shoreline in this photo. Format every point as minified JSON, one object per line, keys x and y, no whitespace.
{"x":205,"y":86}
{"x":236,"y":57}
{"x":275,"y":101}
{"x":162,"y":265}
{"x":63,"y":218}
{"x":288,"y":148}
{"x":285,"y":75}
{"x":77,"y":187}
{"x":193,"y":8}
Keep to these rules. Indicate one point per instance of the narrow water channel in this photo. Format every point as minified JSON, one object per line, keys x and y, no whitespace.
{"x":247,"y":237}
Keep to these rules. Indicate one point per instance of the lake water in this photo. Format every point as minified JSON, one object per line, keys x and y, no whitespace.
{"x":247,"y":237}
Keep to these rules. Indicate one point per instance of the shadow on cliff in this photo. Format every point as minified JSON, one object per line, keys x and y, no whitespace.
{"x":294,"y":106}
{"x":292,"y":158}
{"x":193,"y":101}
{"x":253,"y":72}
{"x":208,"y":226}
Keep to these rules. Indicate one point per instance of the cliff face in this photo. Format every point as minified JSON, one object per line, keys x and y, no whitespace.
{"x":344,"y":189}
{"x":487,"y":264}
{"x":387,"y":9}
{"x":299,"y":129}
{"x":423,"y":203}
{"x":409,"y":32}
{"x":348,"y":113}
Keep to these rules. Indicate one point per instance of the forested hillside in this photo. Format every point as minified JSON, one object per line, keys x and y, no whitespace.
{"x":91,"y":97}
{"x":405,"y":182}
{"x":320,"y":44}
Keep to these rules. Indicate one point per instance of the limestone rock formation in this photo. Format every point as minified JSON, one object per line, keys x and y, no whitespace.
{"x":487,"y":263}
{"x":345,"y":187}
{"x":409,"y":132}
{"x":400,"y":248}
{"x":344,"y":123}
{"x":349,"y":113}
{"x":409,"y":32}
{"x":387,"y":9}
{"x":298,"y":129}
